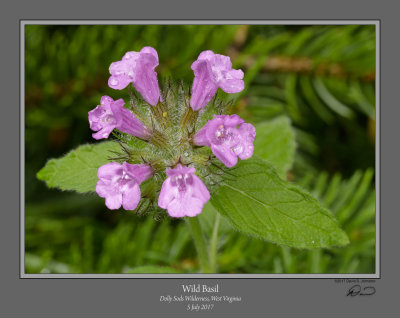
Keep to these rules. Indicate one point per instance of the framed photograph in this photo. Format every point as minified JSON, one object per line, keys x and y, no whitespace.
{"x":226,"y":166}
{"x":226,"y":149}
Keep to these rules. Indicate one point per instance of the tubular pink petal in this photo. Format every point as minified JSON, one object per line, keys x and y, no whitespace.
{"x":204,"y":86}
{"x":212,"y":71}
{"x":131,"y":55}
{"x":207,"y":55}
{"x":201,"y":192}
{"x":230,"y":120}
{"x":118,"y":103}
{"x":194,"y":207}
{"x":226,"y":141}
{"x":94,"y":116}
{"x":175,"y":209}
{"x":102,"y":188}
{"x":119,"y":82}
{"x":131,"y":197}
{"x":179,"y":169}
{"x":149,"y":57}
{"x":109,"y":170}
{"x":201,"y":138}
{"x":225,"y":154}
{"x":137,"y":68}
{"x":146,"y":82}
{"x":183,"y":193}
{"x":119,"y":184}
{"x":167,"y":194}
{"x":127,"y":122}
{"x":247,"y":151}
{"x":222,"y":62}
{"x":102,"y":119}
{"x":212,"y":130}
{"x":120,"y":68}
{"x":106,"y":100}
{"x":150,"y":50}
{"x":139,"y":172}
{"x":232,"y":86}
{"x":245,"y":147}
{"x":247,"y":131}
{"x":234,"y":75}
{"x":104,"y":133}
{"x":191,"y":208}
{"x":113,"y":202}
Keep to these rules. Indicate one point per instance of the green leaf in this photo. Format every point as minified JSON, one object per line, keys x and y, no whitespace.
{"x":151,"y":269}
{"x":259,"y":203}
{"x":77,"y":170}
{"x":275,"y":142}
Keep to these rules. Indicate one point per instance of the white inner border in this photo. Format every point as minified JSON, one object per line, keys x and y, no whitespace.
{"x":201,"y":22}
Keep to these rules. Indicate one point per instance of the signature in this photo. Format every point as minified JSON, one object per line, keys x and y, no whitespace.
{"x":357,"y":290}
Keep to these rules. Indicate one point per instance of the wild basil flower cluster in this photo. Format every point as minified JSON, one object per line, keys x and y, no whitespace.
{"x":173,"y":140}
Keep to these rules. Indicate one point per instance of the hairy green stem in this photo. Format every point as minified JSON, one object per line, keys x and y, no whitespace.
{"x":214,"y":245}
{"x":199,"y":242}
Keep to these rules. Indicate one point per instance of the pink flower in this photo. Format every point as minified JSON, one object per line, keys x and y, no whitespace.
{"x":226,"y":141}
{"x":137,"y":68}
{"x":119,"y":184}
{"x":111,"y":114}
{"x":183,"y":193}
{"x":212,"y":71}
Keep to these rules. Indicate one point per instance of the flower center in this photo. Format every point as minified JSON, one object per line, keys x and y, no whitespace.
{"x":181,"y":181}
{"x":108,"y":119}
{"x":217,"y":72}
{"x":123,"y":181}
{"x":220,"y":133}
{"x":223,"y":135}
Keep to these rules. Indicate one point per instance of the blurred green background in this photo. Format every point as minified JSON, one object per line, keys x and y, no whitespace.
{"x":322,"y":77}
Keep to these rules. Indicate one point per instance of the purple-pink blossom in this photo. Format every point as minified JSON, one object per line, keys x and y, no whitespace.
{"x":119,"y":184}
{"x":137,"y":68}
{"x":183,"y":193}
{"x":212,"y":71}
{"x":112,"y":114}
{"x":226,"y":141}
